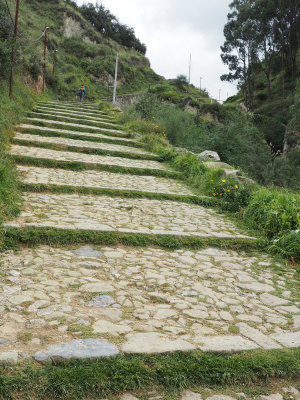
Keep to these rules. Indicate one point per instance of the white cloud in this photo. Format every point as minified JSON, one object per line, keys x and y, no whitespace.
{"x":174,"y":29}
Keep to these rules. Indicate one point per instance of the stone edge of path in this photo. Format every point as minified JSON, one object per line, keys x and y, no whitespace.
{"x":151,"y":343}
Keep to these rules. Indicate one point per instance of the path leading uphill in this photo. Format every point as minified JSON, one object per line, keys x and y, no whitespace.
{"x":85,"y":181}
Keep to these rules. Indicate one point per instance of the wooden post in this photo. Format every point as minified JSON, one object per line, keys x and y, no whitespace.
{"x":11,"y":80}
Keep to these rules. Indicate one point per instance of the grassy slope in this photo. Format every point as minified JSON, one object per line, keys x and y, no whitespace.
{"x":77,"y":61}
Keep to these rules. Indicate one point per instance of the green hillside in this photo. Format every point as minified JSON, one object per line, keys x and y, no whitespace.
{"x":83,"y":54}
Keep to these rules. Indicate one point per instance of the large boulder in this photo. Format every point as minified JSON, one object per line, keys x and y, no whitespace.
{"x":209,"y":155}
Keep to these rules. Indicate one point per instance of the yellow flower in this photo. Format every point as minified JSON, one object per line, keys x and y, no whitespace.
{"x":236,"y":186}
{"x":221,"y":194}
{"x":214,"y":194}
{"x":223,"y":180}
{"x":228,"y":190}
{"x":211,"y":180}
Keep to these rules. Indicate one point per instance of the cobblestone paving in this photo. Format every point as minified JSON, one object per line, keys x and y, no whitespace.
{"x":48,"y":121}
{"x":36,"y":114}
{"x":87,"y":134}
{"x":82,"y":144}
{"x":145,"y":300}
{"x":100,"y":213}
{"x":89,"y":159}
{"x":101,"y":179}
{"x":81,"y":113}
{"x":93,"y":302}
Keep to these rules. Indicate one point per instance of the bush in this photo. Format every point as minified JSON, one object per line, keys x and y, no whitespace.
{"x":232,"y":194}
{"x":288,"y":245}
{"x":273,"y":212}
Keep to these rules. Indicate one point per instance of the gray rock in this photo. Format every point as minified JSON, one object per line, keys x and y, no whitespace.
{"x":276,"y":396}
{"x":102,"y":301}
{"x":188,"y":395}
{"x":87,"y":251}
{"x":9,"y":358}
{"x":44,"y":197}
{"x":181,"y":150}
{"x":83,"y":322}
{"x":190,"y":293}
{"x":35,"y":323}
{"x":271,"y":300}
{"x":231,"y":173}
{"x":258,"y":337}
{"x":154,"y":343}
{"x":209,"y":155}
{"x":226,"y":344}
{"x":3,"y":341}
{"x":291,"y":339}
{"x":220,"y":397}
{"x":78,"y":349}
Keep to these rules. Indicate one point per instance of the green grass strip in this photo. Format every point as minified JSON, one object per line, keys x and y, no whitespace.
{"x":74,"y":120}
{"x":131,"y":194}
{"x":79,"y":166}
{"x":110,"y":140}
{"x":85,"y":150}
{"x":32,"y":236}
{"x":170,"y":373}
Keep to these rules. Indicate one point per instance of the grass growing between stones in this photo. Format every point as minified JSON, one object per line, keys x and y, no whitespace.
{"x":166,"y":373}
{"x":132,"y":194}
{"x":79,"y":166}
{"x":39,"y":132}
{"x":74,"y":120}
{"x":85,"y":150}
{"x":74,"y":128}
{"x":34,"y":235}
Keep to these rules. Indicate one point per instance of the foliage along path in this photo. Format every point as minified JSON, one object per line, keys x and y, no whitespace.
{"x":126,"y":274}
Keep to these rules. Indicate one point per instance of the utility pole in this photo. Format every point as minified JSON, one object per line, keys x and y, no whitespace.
{"x":54,"y":60}
{"x":190,"y":66}
{"x":219,"y":95}
{"x":200,"y":83}
{"x":44,"y":65}
{"x":116,"y":79}
{"x":11,"y":81}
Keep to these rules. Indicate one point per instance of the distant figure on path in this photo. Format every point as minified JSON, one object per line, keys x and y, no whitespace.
{"x":81,"y":92}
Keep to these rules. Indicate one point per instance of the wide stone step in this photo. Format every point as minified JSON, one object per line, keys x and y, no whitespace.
{"x":49,"y":122}
{"x":76,"y":109}
{"x":82,"y":144}
{"x":145,"y":300}
{"x":76,"y":106}
{"x":72,"y":119}
{"x":100,"y":213}
{"x":105,"y":180}
{"x":43,"y":130}
{"x":79,"y":113}
{"x":86,"y":159}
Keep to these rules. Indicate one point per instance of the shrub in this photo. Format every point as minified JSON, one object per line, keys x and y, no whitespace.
{"x":233,"y":195}
{"x":273,"y":212}
{"x":288,"y":245}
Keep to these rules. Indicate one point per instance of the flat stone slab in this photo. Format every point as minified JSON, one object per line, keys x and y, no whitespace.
{"x":272,"y":300}
{"x":77,"y":349}
{"x":87,"y":251}
{"x":101,"y":301}
{"x":266,"y":342}
{"x":225,"y":344}
{"x":9,"y":358}
{"x":189,"y":395}
{"x":153,"y":343}
{"x":291,"y":339}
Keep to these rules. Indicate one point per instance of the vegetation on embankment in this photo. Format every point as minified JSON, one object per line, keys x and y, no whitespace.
{"x":11,"y":113}
{"x":166,"y":373}
{"x":270,"y":213}
{"x":84,"y":54}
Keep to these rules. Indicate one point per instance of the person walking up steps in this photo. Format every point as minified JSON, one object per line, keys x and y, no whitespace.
{"x":81,"y":92}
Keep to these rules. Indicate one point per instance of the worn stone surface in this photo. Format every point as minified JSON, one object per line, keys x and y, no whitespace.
{"x":88,"y":159}
{"x":153,"y":343}
{"x":100,"y":179}
{"x":83,"y":144}
{"x":226,"y":344}
{"x":290,"y":339}
{"x":189,"y":395}
{"x":9,"y":358}
{"x":74,"y":211}
{"x":78,"y":349}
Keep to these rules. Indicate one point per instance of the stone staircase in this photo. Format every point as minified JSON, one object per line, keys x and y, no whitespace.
{"x":128,"y":260}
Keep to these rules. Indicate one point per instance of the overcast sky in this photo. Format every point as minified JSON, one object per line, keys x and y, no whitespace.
{"x":174,"y":29}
